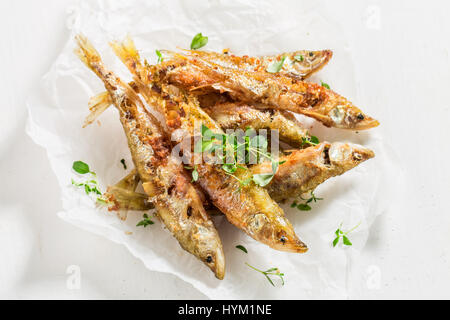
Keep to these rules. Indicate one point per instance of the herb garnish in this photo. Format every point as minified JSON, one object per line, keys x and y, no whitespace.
{"x":270,"y":272}
{"x":145,"y":221}
{"x":240,"y":247}
{"x":91,"y":185}
{"x":305,"y":206}
{"x":124,"y":164}
{"x":325,"y":85}
{"x":299,"y":58}
{"x":311,"y":140}
{"x":235,"y":153}
{"x":194,"y":172}
{"x":102,"y":201}
{"x":198,"y":41}
{"x":81,"y":167}
{"x":160,"y":57}
{"x":341,"y":234}
{"x":276,"y":66}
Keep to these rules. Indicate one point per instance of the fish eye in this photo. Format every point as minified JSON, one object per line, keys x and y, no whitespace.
{"x":357,"y":156}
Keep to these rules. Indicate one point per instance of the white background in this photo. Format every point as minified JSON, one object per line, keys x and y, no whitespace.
{"x":402,"y":63}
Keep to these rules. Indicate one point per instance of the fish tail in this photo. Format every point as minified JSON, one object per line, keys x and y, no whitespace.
{"x":126,"y":51}
{"x":87,"y":54}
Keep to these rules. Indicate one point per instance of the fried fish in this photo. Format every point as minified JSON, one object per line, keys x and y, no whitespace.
{"x":176,"y":200}
{"x":268,"y":91}
{"x":240,"y":115}
{"x":298,"y":64}
{"x":248,"y":207}
{"x":303,"y":170}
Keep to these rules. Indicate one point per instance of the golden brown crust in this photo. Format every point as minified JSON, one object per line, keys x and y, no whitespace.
{"x":250,"y":207}
{"x":240,"y":115}
{"x":175,"y":199}
{"x":272,"y":91}
{"x":303,"y":170}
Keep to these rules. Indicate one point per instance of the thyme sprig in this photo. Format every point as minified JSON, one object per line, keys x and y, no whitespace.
{"x":310,"y":140}
{"x":91,"y":185}
{"x":270,"y":272}
{"x":234,"y":153}
{"x":305,"y":205}
{"x":146,"y":221}
{"x":341,"y":234}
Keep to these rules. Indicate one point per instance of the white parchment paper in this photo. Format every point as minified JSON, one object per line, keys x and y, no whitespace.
{"x":59,"y":105}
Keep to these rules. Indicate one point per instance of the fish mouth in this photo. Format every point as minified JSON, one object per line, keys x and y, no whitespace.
{"x":288,"y":243}
{"x":293,"y":245}
{"x":367,"y":123}
{"x":216,"y":262}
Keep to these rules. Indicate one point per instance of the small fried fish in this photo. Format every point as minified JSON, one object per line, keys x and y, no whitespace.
{"x":248,"y":207}
{"x":298,"y":64}
{"x":176,"y":200}
{"x":270,"y":92}
{"x":238,"y":115}
{"x":303,"y":170}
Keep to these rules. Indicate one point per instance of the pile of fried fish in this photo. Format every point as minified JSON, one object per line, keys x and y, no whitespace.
{"x":222,"y":91}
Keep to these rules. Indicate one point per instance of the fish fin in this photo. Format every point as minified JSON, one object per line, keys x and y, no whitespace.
{"x":127,"y":53}
{"x":97,"y":105}
{"x":87,"y":53}
{"x":125,"y":198}
{"x":130,"y":181}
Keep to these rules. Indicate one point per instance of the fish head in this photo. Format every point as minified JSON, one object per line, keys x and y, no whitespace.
{"x":347,"y":155}
{"x":277,"y":233}
{"x":210,"y":249}
{"x":288,"y":242}
{"x":310,"y":61}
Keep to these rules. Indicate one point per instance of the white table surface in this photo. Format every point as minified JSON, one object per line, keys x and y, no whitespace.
{"x":402,"y":62}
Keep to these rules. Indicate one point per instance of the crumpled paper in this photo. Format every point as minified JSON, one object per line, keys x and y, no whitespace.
{"x":58,"y":107}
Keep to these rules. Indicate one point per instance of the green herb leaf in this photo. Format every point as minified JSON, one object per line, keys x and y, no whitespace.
{"x":198,"y":41}
{"x":230,"y":168}
{"x":294,"y":204}
{"x":314,"y":140}
{"x":339,"y":233}
{"x":299,"y":58}
{"x":346,"y":241}
{"x":195,"y":174}
{"x":207,"y":133}
{"x":124,"y":164}
{"x":304,"y":207}
{"x":325,"y":85}
{"x":335,"y":241}
{"x":242,"y":248}
{"x":311,"y":140}
{"x":207,"y":145}
{"x":262,"y":179}
{"x":276,"y":66}
{"x":90,"y":186}
{"x":80,"y":167}
{"x":146,"y":221}
{"x":160,"y":57}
